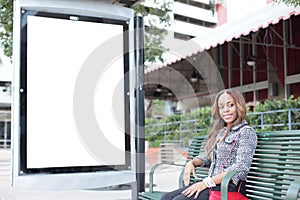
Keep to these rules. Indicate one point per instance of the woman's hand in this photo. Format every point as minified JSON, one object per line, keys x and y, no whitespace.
{"x":189,"y":169}
{"x":194,"y":189}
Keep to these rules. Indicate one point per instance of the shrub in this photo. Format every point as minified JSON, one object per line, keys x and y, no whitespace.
{"x":184,"y":127}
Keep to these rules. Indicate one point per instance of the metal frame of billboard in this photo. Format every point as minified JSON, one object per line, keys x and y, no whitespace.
{"x":68,"y":177}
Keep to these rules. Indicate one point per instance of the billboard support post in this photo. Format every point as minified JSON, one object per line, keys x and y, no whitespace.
{"x":140,"y":111}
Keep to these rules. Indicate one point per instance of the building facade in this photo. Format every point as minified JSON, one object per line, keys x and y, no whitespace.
{"x":5,"y":101}
{"x":221,"y":58}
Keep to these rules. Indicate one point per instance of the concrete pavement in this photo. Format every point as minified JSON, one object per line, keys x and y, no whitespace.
{"x":165,"y":179}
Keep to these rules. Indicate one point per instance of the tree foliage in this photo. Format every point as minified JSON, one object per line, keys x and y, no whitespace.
{"x":184,"y":127}
{"x":289,"y":2}
{"x":6,"y":26}
{"x":157,"y":18}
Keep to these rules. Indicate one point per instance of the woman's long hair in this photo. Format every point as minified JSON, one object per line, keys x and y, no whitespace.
{"x":219,"y":123}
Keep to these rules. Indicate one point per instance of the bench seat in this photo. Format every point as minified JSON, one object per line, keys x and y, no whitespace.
{"x":274,"y":173}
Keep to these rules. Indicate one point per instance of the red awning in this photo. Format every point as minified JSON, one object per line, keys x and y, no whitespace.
{"x":261,"y":18}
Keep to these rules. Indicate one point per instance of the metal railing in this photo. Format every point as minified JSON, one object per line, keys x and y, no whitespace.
{"x":190,"y":127}
{"x":289,"y":122}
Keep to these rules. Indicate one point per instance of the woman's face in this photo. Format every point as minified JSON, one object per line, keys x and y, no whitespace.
{"x":227,"y":108}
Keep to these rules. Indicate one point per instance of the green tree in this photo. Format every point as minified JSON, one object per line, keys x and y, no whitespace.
{"x":157,"y":18}
{"x":289,"y":2}
{"x":157,"y":108}
{"x":6,"y":26}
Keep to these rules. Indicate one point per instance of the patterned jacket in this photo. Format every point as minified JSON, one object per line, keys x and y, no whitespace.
{"x":240,"y":158}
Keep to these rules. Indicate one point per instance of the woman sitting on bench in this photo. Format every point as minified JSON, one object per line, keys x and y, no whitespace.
{"x":231,"y":145}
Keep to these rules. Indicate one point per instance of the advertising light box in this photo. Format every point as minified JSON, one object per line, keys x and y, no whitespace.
{"x":72,"y":94}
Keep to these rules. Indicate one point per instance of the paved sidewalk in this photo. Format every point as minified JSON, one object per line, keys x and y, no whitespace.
{"x":9,"y":193}
{"x":165,"y":179}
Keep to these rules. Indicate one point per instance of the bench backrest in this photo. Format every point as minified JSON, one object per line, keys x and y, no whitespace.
{"x":197,"y":147}
{"x":275,"y":165}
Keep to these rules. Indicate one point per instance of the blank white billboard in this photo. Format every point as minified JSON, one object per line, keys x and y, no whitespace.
{"x":56,"y":52}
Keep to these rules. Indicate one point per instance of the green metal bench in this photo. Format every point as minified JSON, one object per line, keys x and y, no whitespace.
{"x":274,"y":174}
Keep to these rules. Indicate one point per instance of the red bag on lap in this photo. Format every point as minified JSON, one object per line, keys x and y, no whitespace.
{"x":216,"y":195}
